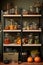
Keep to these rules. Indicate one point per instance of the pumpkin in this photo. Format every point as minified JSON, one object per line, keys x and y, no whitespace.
{"x":37,"y":59}
{"x":29,"y":59}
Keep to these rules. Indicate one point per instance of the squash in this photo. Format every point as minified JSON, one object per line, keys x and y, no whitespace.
{"x":37,"y":59}
{"x":29,"y":59}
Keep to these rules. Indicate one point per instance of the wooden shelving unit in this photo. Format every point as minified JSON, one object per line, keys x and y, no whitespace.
{"x":21,"y":31}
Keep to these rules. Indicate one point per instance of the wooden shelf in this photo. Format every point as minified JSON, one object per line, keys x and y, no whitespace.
{"x":29,"y":15}
{"x":11,"y":30}
{"x":11,"y":15}
{"x":32,"y":30}
{"x":11,"y":44}
{"x":33,"y":15}
{"x":31,"y":44}
{"x":23,"y":45}
{"x":23,"y":30}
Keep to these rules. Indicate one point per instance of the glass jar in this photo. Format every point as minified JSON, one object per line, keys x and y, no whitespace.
{"x":18,"y":39}
{"x":15,"y":26}
{"x":34,"y":25}
{"x":11,"y":11}
{"x":30,"y":39}
{"x":27,"y":25}
{"x":31,"y":9}
{"x":11,"y":26}
{"x":30,"y":27}
{"x":24,"y":25}
{"x":36,"y":41}
{"x":25,"y":40}
{"x":6,"y":39}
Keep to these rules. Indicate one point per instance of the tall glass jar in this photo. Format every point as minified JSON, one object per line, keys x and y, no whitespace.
{"x":30,"y":39}
{"x":6,"y":39}
{"x":24,"y":25}
{"x":36,"y":40}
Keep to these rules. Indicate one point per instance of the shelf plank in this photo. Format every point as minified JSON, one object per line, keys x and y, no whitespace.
{"x":29,"y":15}
{"x":31,"y":44}
{"x":23,"y":45}
{"x":11,"y":30}
{"x":32,"y":15}
{"x":11,"y":44}
{"x":32,"y":30}
{"x":8,"y":15}
{"x":23,"y":30}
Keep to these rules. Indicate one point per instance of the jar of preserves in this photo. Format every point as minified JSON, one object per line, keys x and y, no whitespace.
{"x":34,"y":25}
{"x":6,"y":39}
{"x":18,"y":39}
{"x":36,"y":41}
{"x":11,"y":11}
{"x":24,"y":25}
{"x":30,"y":39}
{"x":30,"y":27}
{"x":11,"y":26}
{"x":31,"y":10}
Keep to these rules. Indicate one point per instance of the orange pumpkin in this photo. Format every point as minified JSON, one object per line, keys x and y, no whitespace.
{"x":29,"y":59}
{"x":37,"y":59}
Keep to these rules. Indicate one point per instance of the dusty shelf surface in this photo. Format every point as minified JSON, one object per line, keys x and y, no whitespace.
{"x":23,"y":63}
